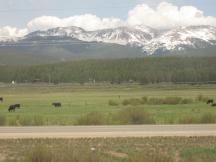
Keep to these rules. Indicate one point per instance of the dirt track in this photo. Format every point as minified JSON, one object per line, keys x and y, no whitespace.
{"x":107,"y":131}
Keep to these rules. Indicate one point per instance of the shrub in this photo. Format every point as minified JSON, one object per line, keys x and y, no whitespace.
{"x":92,"y":118}
{"x":189,"y":120}
{"x":155,"y":101}
{"x":28,"y":121}
{"x":38,"y":121}
{"x":208,"y":118}
{"x":134,"y":115}
{"x":132,"y":102}
{"x":125,"y":102}
{"x":187,"y":101}
{"x":113,"y":103}
{"x":39,"y":154}
{"x":172,"y":100}
{"x":144,"y":100}
{"x":202,"y":98}
{"x":169,"y":101}
{"x":12,"y":122}
{"x":2,"y":120}
{"x":135,"y":101}
{"x":24,"y":121}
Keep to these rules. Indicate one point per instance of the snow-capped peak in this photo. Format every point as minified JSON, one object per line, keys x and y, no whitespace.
{"x":182,"y":38}
{"x":149,"y":39}
{"x":121,"y":35}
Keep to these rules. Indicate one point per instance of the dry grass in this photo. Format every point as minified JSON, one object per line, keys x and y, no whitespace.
{"x":93,"y":118}
{"x":157,"y":149}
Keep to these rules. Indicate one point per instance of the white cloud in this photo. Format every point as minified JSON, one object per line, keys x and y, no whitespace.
{"x":44,"y":23}
{"x":8,"y":32}
{"x":87,"y":22}
{"x":167,"y":15}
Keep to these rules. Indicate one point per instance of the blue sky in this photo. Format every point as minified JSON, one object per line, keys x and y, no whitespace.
{"x":19,"y":12}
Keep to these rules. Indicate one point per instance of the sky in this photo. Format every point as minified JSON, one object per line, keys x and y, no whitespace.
{"x":19,"y":17}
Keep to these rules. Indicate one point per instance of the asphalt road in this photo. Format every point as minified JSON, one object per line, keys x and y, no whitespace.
{"x":107,"y":131}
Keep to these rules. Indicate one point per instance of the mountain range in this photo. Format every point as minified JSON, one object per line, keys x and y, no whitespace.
{"x":63,"y":43}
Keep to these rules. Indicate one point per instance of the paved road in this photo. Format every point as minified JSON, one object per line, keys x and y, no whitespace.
{"x":107,"y":131}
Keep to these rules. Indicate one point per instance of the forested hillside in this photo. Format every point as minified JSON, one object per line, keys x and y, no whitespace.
{"x":141,"y":70}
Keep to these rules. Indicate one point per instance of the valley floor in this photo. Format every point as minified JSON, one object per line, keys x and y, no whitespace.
{"x":106,"y":104}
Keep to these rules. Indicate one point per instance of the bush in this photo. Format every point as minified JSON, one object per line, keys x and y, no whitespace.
{"x":132,"y":102}
{"x":172,"y":100}
{"x":2,"y":120}
{"x":208,"y":118}
{"x":39,"y":154}
{"x":12,"y":122}
{"x":134,"y":115}
{"x":93,"y":118}
{"x":27,"y":121}
{"x":187,"y":101}
{"x":144,"y":100}
{"x":169,"y":101}
{"x":155,"y":101}
{"x":204,"y":119}
{"x":38,"y":121}
{"x":113,"y":103}
{"x":24,"y":121}
{"x":125,"y":102}
{"x":202,"y":98}
{"x":189,"y":120}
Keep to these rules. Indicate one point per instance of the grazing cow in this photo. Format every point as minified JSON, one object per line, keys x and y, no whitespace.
{"x":210,"y":101}
{"x":12,"y":108}
{"x":17,"y":106}
{"x":214,"y":104}
{"x":57,"y":104}
{"x":1,"y":99}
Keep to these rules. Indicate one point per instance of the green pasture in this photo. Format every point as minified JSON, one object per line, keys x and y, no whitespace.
{"x":78,"y":100}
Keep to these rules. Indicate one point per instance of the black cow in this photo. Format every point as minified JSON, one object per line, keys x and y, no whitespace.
{"x":210,"y":101}
{"x":17,"y":106}
{"x":1,"y":99}
{"x":57,"y":104}
{"x":12,"y":108}
{"x":214,"y":104}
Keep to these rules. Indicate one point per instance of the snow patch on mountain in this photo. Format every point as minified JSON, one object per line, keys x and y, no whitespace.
{"x":182,"y":38}
{"x":149,"y":39}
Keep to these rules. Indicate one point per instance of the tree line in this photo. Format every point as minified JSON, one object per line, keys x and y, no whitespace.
{"x":141,"y":70}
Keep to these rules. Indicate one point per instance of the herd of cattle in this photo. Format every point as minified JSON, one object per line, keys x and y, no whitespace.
{"x":12,"y":108}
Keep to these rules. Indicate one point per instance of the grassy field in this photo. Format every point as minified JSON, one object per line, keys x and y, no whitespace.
{"x":80,"y":100}
{"x":157,"y":149}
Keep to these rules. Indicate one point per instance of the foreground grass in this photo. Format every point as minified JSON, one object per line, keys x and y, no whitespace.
{"x":156,"y":149}
{"x":104,"y":101}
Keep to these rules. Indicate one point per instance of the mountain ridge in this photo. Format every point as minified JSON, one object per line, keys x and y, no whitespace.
{"x":69,"y":43}
{"x":149,"y":39}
